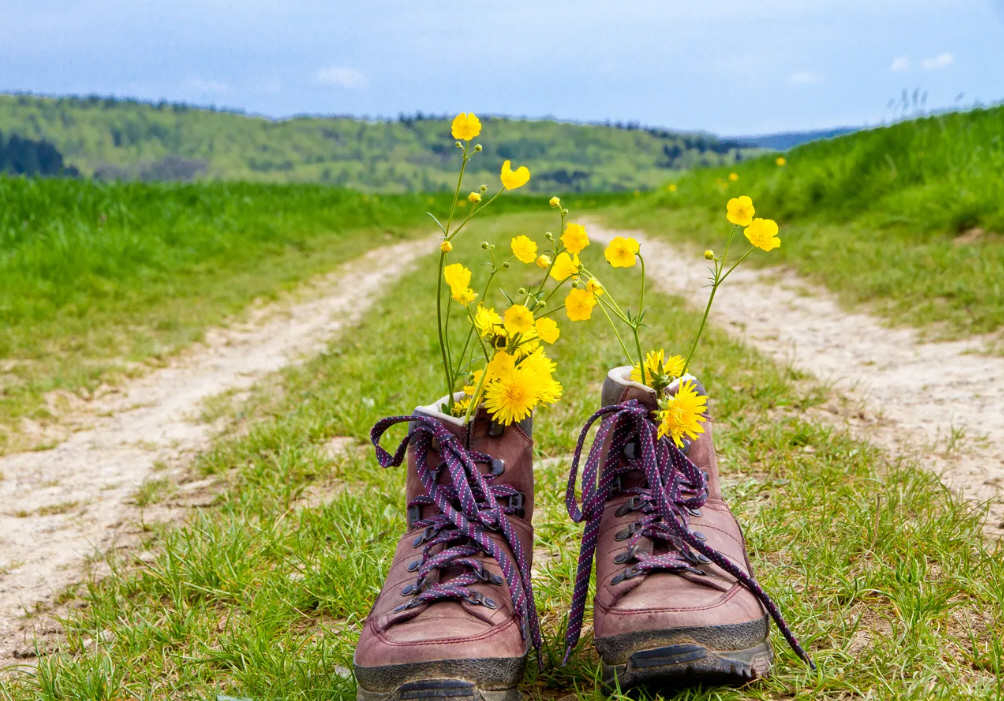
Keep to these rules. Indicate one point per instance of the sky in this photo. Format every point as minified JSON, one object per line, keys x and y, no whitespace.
{"x":729,"y":67}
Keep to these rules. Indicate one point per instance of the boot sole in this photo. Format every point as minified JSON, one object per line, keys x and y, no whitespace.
{"x":487,"y":679}
{"x":728,"y":654}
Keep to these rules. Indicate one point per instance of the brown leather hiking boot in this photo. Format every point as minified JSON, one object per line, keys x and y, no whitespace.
{"x":456,"y":616}
{"x":676,"y":601}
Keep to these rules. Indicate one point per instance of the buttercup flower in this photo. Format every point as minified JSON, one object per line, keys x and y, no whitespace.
{"x":518,"y":319}
{"x":740,"y":210}
{"x":594,"y":288}
{"x":446,"y":247}
{"x":680,"y":415}
{"x":465,"y":297}
{"x":512,"y":179}
{"x":512,"y":397}
{"x":487,"y":321}
{"x":474,"y":197}
{"x":565,"y":266}
{"x":733,"y":176}
{"x":457,"y":277}
{"x":460,"y":405}
{"x":465,"y":126}
{"x":657,"y":367}
{"x":762,"y":233}
{"x":709,"y":254}
{"x":780,"y":160}
{"x":502,"y":365}
{"x":554,"y":202}
{"x":671,"y":187}
{"x":575,"y":238}
{"x":547,"y":329}
{"x":621,"y":252}
{"x":543,"y":262}
{"x":579,"y":304}
{"x":524,"y":249}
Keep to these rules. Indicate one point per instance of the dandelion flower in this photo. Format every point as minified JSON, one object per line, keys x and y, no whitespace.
{"x":460,"y":406}
{"x":511,"y":398}
{"x":457,"y":277}
{"x":554,"y":201}
{"x":780,"y":160}
{"x":547,"y":329}
{"x":512,"y":179}
{"x":621,"y":252}
{"x":474,"y":197}
{"x":740,"y":210}
{"x":594,"y":288}
{"x":579,"y":304}
{"x":543,"y":262}
{"x":466,"y":296}
{"x":733,"y":176}
{"x":518,"y":319}
{"x":565,"y":266}
{"x":658,"y":369}
{"x":575,"y":238}
{"x":762,"y":233}
{"x":681,"y":415}
{"x":446,"y":247}
{"x":524,"y":249}
{"x":541,"y":368}
{"x":465,"y":126}
{"x":500,"y":366}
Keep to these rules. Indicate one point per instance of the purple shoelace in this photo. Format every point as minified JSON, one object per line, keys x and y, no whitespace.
{"x":674,"y":487}
{"x":468,"y":508}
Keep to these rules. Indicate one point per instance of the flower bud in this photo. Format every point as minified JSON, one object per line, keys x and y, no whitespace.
{"x":446,"y":247}
{"x":483,"y":189}
{"x":709,"y":254}
{"x":564,"y":212}
{"x":505,"y":266}
{"x":484,"y":245}
{"x":474,"y":197}
{"x":459,"y":145}
{"x":521,"y":291}
{"x":554,"y":201}
{"x":477,"y":148}
{"x":543,"y":262}
{"x":549,"y":236}
{"x":541,"y":304}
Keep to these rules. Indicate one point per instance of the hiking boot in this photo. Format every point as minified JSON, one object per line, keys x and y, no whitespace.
{"x":455,"y":617}
{"x":676,"y":601}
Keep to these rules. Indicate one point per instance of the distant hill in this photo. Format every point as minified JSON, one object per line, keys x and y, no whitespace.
{"x":125,"y":139}
{"x":790,"y":139}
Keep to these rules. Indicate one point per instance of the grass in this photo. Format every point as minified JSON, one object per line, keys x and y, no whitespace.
{"x":97,"y":279}
{"x":908,"y":218}
{"x":884,"y":576}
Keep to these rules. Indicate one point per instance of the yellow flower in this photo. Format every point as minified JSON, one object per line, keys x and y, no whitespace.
{"x":465,"y":297}
{"x":681,"y":415}
{"x":579,"y":304}
{"x":543,"y":262}
{"x":594,"y":288}
{"x":540,"y":368}
{"x":446,"y":247}
{"x":565,"y":266}
{"x":501,"y":365}
{"x":460,"y":406}
{"x":547,"y":329}
{"x":524,"y":249}
{"x":733,"y":176}
{"x":475,"y":378}
{"x":474,"y":197}
{"x":575,"y":238}
{"x":512,"y":397}
{"x":514,"y":179}
{"x":528,"y":343}
{"x":671,"y":187}
{"x":740,"y":210}
{"x":780,"y":160}
{"x":518,"y":319}
{"x":762,"y":233}
{"x":465,"y":126}
{"x":457,"y":277}
{"x":487,"y":321}
{"x":709,"y":254}
{"x":656,"y":367}
{"x":554,"y":202}
{"x":621,"y":252}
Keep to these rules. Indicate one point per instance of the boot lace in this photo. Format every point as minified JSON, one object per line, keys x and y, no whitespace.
{"x":673,"y":490}
{"x":467,"y":508}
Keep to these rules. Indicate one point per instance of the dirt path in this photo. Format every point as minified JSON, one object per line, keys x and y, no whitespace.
{"x":944,"y":401}
{"x":59,"y":506}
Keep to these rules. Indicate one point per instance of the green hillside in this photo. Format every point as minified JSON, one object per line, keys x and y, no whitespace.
{"x":121,"y":139}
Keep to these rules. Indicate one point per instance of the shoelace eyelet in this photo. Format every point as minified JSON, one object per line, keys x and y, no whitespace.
{"x":627,"y":532}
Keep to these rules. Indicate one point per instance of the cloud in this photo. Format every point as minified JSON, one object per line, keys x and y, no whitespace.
{"x":806,"y":77}
{"x":900,"y":64}
{"x":943,"y":60}
{"x":341,"y":77}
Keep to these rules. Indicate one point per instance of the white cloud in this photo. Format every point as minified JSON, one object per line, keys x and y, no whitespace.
{"x":943,"y":60}
{"x":900,"y":64}
{"x":341,"y":77}
{"x":806,"y":77}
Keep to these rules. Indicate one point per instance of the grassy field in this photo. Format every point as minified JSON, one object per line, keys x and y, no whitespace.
{"x":908,"y":218}
{"x":882,"y":574}
{"x":95,"y":278}
{"x":134,"y":140}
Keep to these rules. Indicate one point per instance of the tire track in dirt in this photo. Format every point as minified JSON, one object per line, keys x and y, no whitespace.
{"x":942,"y":402}
{"x":62,"y":505}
